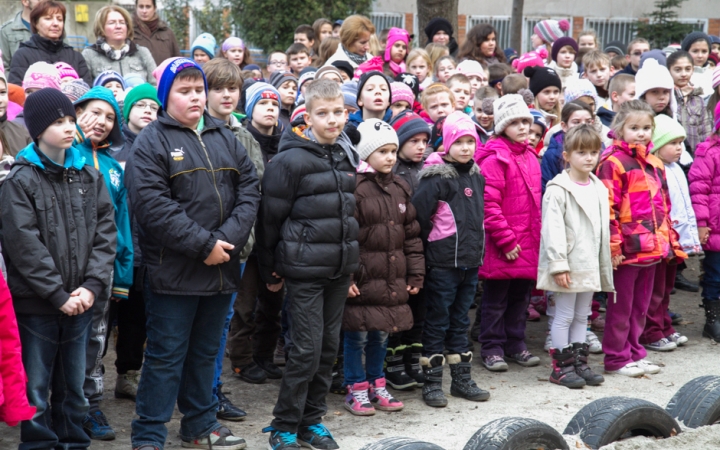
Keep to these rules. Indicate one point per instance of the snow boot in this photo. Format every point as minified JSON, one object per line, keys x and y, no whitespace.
{"x":462,"y":384}
{"x":338,"y":376}
{"x":581,"y":352}
{"x":564,"y":368}
{"x":712,"y":319}
{"x":395,"y":373}
{"x":432,"y":390}
{"x":411,"y":358}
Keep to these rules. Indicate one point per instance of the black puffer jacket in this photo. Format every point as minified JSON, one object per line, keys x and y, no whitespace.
{"x":58,"y":231}
{"x":306,"y":227}
{"x":38,"y":48}
{"x":187,"y":190}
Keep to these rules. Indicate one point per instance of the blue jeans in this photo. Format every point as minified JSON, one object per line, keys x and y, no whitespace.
{"x":183,"y":339}
{"x":221,"y":354}
{"x":711,"y":277}
{"x":448,"y":296}
{"x":374,"y":343}
{"x":53,"y":353}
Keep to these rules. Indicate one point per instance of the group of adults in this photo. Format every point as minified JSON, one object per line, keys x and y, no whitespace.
{"x":126,"y":44}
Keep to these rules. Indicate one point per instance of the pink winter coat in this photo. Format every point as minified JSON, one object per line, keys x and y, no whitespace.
{"x":704,"y":180}
{"x":513,"y":209}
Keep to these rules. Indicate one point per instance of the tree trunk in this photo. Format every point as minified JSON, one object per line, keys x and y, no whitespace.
{"x":429,"y":9}
{"x":516,"y":23}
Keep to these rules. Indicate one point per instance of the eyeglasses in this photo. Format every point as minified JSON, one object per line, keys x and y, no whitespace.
{"x":153,"y":106}
{"x":277,"y":63}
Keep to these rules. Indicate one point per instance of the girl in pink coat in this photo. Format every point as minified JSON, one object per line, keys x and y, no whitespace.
{"x":512,"y":229}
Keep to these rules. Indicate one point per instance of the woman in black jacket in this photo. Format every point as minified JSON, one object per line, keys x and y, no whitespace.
{"x":47,"y":23}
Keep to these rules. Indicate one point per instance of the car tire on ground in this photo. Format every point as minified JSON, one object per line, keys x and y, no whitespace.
{"x":401,"y":443}
{"x":611,"y":419}
{"x":515,"y":433}
{"x":697,"y":403}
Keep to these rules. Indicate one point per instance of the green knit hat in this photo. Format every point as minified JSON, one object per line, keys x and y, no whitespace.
{"x":666,"y":130}
{"x":136,"y":94}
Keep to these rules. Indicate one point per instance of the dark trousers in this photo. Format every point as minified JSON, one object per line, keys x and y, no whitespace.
{"x":94,"y":385}
{"x":316,"y":308}
{"x":504,"y":304}
{"x":131,"y":331}
{"x":414,"y":334}
{"x":711,"y":276}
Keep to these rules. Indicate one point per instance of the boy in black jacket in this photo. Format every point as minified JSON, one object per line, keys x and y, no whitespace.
{"x":307,"y":238}
{"x":194,"y":193}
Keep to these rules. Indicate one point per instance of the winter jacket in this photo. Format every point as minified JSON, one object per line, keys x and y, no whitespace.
{"x":682,"y":214}
{"x":606,"y":114}
{"x":483,"y":134}
{"x":161,"y":43}
{"x":14,"y":406}
{"x":17,"y":137}
{"x":409,"y":171}
{"x":268,"y":145}
{"x":137,"y":60}
{"x":391,"y":254}
{"x":569,"y":237}
{"x":306,"y":225}
{"x":38,"y":48}
{"x":58,"y":230}
{"x":121,"y":157}
{"x":552,"y":163}
{"x":704,"y":179}
{"x":189,"y":189}
{"x":694,"y":117}
{"x":512,"y":209}
{"x":12,"y":33}
{"x":640,"y":226}
{"x":449,"y":204}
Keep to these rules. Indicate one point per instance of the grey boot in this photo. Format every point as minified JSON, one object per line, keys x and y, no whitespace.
{"x":432,"y":390}
{"x":462,"y":383}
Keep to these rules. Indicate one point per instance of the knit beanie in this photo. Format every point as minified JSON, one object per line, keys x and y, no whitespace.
{"x":510,"y":55}
{"x":327,"y":69}
{"x":457,"y":125}
{"x":279,"y":77}
{"x":539,"y":119}
{"x":366,"y":76}
{"x":438,"y":24}
{"x":43,"y":108}
{"x":16,"y":94}
{"x":102,"y":93}
{"x":471,"y":68}
{"x":75,"y":89}
{"x":344,"y":66}
{"x":411,"y":81}
{"x":107,"y":76}
{"x":693,"y":37}
{"x":259,"y":91}
{"x":205,"y":42}
{"x":615,"y":46}
{"x":580,"y":87}
{"x":716,"y":78}
{"x":306,"y":75}
{"x":349,"y":90}
{"x":297,"y":117}
{"x":66,"y":70}
{"x":530,"y":59}
{"x":551,"y":30}
{"x":134,"y":95}
{"x":374,"y":134}
{"x":541,"y":78}
{"x":168,"y":77}
{"x":666,"y":130}
{"x":401,"y":92}
{"x":560,"y":43}
{"x":407,"y":124}
{"x":133,"y":79}
{"x":508,"y":108}
{"x":394,"y":35}
{"x":157,"y":73}
{"x":714,"y":58}
{"x":232,"y":42}
{"x":41,"y":75}
{"x":655,"y":54}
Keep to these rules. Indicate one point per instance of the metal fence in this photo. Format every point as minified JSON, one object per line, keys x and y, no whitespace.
{"x":609,"y":30}
{"x":501,"y":24}
{"x":387,"y":20}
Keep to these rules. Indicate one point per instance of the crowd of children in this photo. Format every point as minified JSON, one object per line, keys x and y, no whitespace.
{"x":338,"y":212}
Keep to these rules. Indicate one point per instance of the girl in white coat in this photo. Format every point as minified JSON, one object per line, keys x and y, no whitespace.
{"x":575,"y":254}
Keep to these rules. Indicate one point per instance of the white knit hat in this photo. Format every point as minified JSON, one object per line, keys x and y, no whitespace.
{"x":652,"y":75}
{"x":508,"y":108}
{"x":374,"y":134}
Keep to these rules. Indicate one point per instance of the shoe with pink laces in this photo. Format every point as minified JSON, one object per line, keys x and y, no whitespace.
{"x":532,"y":314}
{"x":382,"y":399}
{"x":357,"y":401}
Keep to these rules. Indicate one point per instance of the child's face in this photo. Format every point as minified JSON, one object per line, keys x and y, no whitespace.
{"x":548,"y":98}
{"x":383,"y":159}
{"x":301,"y":38}
{"x":104,"y":116}
{"x":60,"y":134}
{"x":414,"y":148}
{"x":439,"y":105}
{"x":265,"y":114}
{"x":200,"y":57}
{"x":326,"y":30}
{"x":671,"y":152}
{"x":186,"y":101}
{"x":256,"y":74}
{"x":222,"y":101}
{"x":638,"y":129}
{"x":636,"y":53}
{"x":658,"y":99}
{"x":586,"y":42}
{"x":475,"y":84}
{"x":141,"y":114}
{"x":333,"y":76}
{"x":565,"y":57}
{"x":578,"y":118}
{"x":399,"y":107}
{"x":582,"y":161}
{"x":518,"y":130}
{"x":590,"y":101}
{"x":277,"y":62}
{"x":67,"y":80}
{"x":3,"y":98}
{"x":288,"y":91}
{"x":485,"y":121}
{"x":715,"y":48}
{"x":299,"y":61}
{"x":598,"y":75}
{"x":375,"y":95}
{"x":681,"y":72}
{"x":327,"y":119}
{"x":398,"y":51}
{"x":441,"y":37}
{"x":699,"y":51}
{"x":115,"y":87}
{"x":626,"y":95}
{"x":463,"y":149}
{"x":419,"y":68}
{"x":445,"y":70}
{"x":461,"y":91}
{"x":235,"y":55}
{"x":487,"y":47}
{"x":536,"y":41}
{"x":535,"y":134}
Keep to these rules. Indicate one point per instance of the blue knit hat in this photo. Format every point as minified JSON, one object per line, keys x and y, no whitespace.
{"x":108,"y":76}
{"x":205,"y":42}
{"x":168,"y":77}
{"x":257,"y":92}
{"x":106,"y":95}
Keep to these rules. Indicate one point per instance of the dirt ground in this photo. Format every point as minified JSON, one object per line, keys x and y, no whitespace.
{"x":519,"y":392}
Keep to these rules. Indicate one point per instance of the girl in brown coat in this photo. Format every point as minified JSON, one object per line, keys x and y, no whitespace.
{"x":392,"y":268}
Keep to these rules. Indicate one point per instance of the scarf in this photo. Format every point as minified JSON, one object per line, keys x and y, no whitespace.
{"x":354,"y":57}
{"x":396,"y":68}
{"x":153,"y":24}
{"x":115,"y":55}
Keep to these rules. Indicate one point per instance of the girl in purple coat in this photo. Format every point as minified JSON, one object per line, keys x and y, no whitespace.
{"x":512,"y":226}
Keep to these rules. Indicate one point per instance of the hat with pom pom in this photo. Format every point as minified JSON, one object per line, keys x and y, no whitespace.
{"x":530,"y":59}
{"x":551,"y":30}
{"x":508,"y":108}
{"x":374,"y":134}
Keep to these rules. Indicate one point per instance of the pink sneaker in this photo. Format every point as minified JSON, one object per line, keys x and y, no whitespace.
{"x":357,"y":401}
{"x":382,"y":399}
{"x":533,"y":315}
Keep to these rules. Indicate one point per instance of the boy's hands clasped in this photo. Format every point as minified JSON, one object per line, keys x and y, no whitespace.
{"x":80,"y":301}
{"x":218,"y":255}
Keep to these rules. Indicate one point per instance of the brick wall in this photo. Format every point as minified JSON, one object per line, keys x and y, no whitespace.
{"x":462,"y":28}
{"x":578,"y":24}
{"x":714,"y":27}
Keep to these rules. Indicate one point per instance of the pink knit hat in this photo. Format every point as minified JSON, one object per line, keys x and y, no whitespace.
{"x":232,"y":42}
{"x":41,"y":75}
{"x":66,"y":70}
{"x":471,"y":68}
{"x":529,"y":59}
{"x":457,"y":125}
{"x":401,"y":92}
{"x":716,"y":78}
{"x":716,"y":125}
{"x":551,"y":30}
{"x":394,"y":35}
{"x":157,"y":73}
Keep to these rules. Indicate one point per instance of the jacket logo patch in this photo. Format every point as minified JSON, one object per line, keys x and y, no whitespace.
{"x":178,"y":154}
{"x":468,"y":192}
{"x":114,"y":178}
{"x":351,"y":174}
{"x":402,"y":207}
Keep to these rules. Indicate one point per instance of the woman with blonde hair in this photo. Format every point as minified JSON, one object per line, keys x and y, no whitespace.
{"x":355,"y":34}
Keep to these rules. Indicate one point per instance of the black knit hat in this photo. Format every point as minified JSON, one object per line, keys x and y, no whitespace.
{"x":438,"y":24}
{"x":407,"y":124}
{"x":411,"y":80}
{"x":693,"y":37}
{"x":542,"y":77}
{"x":44,"y":107}
{"x":366,"y":76}
{"x":345,"y":67}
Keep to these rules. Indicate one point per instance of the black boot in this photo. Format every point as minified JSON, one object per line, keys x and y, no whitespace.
{"x":580,"y":350}
{"x":411,"y":358}
{"x":563,"y":365}
{"x":712,"y":319}
{"x":395,"y":374}
{"x":684,"y":284}
{"x":432,"y":390}
{"x":462,"y":384}
{"x":338,"y":376}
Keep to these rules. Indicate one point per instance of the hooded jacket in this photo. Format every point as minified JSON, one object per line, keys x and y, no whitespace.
{"x":38,"y":48}
{"x":58,"y":232}
{"x":694,"y":117}
{"x":409,"y":171}
{"x":161,"y":43}
{"x":705,"y":189}
{"x":682,"y":214}
{"x":189,"y":189}
{"x":137,"y":60}
{"x":449,"y":203}
{"x":306,"y":226}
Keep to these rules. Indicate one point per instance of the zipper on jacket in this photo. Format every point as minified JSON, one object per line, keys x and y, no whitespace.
{"x":162,"y":251}
{"x":212,"y":169}
{"x":66,"y":182}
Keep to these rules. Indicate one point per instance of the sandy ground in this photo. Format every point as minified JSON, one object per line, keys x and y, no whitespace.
{"x":518,"y":392}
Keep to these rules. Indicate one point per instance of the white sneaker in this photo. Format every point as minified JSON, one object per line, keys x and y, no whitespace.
{"x":594,"y":345}
{"x":548,"y":342}
{"x":648,"y":367}
{"x":678,"y":338}
{"x":630,"y":370}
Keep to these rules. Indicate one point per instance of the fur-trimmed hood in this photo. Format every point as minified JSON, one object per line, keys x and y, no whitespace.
{"x":447,"y":169}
